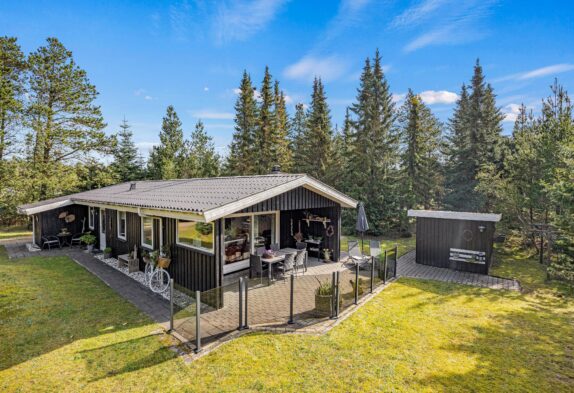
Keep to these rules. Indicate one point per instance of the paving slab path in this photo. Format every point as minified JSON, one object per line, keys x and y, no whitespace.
{"x":407,"y":267}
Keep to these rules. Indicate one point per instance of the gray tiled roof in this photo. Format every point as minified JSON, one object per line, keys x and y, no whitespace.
{"x":190,"y":195}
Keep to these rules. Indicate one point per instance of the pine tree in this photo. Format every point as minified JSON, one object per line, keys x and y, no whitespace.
{"x":317,"y":141}
{"x":420,"y":135}
{"x":165,"y":159}
{"x":264,"y":150}
{"x":279,"y":145}
{"x":127,"y":162}
{"x":298,"y":132}
{"x":374,"y":162}
{"x":240,"y":160}
{"x":200,"y":159}
{"x":65,"y":125}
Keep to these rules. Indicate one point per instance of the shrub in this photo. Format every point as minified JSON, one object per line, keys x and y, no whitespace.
{"x":88,"y":238}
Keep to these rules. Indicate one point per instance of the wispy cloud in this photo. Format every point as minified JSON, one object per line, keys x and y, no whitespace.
{"x":309,"y":67}
{"x":350,"y":13}
{"x":431,"y":97}
{"x":397,"y":98}
{"x":550,"y":70}
{"x":237,"y":21}
{"x":211,"y":115}
{"x":142,"y":93}
{"x":443,"y":22}
{"x":511,"y":112}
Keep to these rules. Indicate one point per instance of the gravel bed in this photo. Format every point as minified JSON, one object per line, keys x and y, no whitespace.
{"x":179,"y":298}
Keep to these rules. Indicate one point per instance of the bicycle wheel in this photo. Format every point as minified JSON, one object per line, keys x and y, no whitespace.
{"x":159,"y":281}
{"x":148,"y":272}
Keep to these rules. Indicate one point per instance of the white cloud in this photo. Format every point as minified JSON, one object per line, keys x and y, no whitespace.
{"x":240,"y":20}
{"x":309,"y":67}
{"x":212,"y":115}
{"x":398,"y":97}
{"x":511,"y":112}
{"x":148,"y":98}
{"x":256,"y":93}
{"x":139,"y":92}
{"x":142,"y":93}
{"x":146,"y":145}
{"x":538,"y":72}
{"x":288,"y":99}
{"x":417,"y":13}
{"x":431,"y":97}
{"x":206,"y":88}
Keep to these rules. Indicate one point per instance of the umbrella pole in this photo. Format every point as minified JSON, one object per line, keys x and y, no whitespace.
{"x":362,"y":245}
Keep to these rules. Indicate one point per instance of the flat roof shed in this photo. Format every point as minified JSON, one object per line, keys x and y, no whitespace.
{"x":456,"y":240}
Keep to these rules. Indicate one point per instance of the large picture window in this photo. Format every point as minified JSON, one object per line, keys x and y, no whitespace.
{"x":122,"y":224}
{"x":147,"y":232}
{"x":195,"y":234}
{"x":91,"y":217}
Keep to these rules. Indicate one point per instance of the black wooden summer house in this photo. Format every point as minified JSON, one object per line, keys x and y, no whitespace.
{"x":210,"y":225}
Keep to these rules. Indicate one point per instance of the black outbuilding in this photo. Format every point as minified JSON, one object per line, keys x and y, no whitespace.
{"x":456,"y":240}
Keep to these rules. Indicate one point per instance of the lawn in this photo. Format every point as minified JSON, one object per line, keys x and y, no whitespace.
{"x":404,"y":244}
{"x":63,"y":330}
{"x":14,"y":232}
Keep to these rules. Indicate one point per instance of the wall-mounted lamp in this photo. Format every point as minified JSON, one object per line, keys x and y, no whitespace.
{"x":481,"y":228}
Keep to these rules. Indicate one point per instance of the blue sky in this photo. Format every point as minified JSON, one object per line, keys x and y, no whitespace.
{"x":145,"y":55}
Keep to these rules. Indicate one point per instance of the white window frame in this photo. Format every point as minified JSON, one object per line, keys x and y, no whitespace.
{"x":186,"y":245}
{"x":91,"y":217}
{"x":149,"y":246}
{"x":119,"y":212}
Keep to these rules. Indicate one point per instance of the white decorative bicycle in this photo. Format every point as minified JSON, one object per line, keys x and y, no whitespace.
{"x":156,"y":277}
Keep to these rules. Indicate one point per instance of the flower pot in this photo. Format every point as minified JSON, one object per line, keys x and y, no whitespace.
{"x":163,"y":262}
{"x":107,"y":255}
{"x":89,"y":248}
{"x":323,"y":305}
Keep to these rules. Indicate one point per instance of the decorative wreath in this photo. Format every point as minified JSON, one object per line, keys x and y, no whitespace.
{"x":330,"y":231}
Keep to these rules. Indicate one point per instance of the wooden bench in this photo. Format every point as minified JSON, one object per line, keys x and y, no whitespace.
{"x":133,"y":264}
{"x":468,"y":256}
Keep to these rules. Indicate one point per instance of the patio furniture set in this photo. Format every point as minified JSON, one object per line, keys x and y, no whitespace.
{"x":62,"y":239}
{"x":278,"y":260}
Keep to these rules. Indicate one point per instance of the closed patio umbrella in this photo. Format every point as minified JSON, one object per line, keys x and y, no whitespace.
{"x":362,"y":224}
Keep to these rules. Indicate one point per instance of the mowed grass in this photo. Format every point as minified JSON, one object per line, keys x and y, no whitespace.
{"x":68,"y":332}
{"x":404,"y":244}
{"x":14,"y":232}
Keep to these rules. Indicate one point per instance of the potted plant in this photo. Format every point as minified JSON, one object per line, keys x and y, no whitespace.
{"x":361,"y":283}
{"x":327,"y":255}
{"x":146,"y":256}
{"x":107,"y":252}
{"x":324,"y":299}
{"x":89,"y":240}
{"x":164,"y":258}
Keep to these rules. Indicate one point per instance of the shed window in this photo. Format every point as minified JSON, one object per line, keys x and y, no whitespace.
{"x":122,"y":225}
{"x":91,"y":217}
{"x":195,"y":234}
{"x":147,"y":232}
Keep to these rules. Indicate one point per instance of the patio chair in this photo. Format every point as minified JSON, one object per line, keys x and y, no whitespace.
{"x":260,"y":251}
{"x":275,"y":247}
{"x":374,"y":250}
{"x":75,"y":240}
{"x":301,"y":261}
{"x":287,"y":265}
{"x":356,"y":257}
{"x":301,"y":246}
{"x":256,"y":267}
{"x":51,"y":241}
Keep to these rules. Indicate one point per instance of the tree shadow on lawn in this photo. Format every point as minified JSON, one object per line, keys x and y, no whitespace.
{"x":123,"y":357}
{"x":522,"y":344}
{"x":48,"y":303}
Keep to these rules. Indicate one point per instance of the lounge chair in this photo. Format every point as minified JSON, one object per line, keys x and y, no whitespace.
{"x":51,"y":241}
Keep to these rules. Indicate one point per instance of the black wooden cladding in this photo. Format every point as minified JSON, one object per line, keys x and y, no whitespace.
{"x":435,"y":238}
{"x":48,"y":224}
{"x":133,"y":233}
{"x":298,"y":198}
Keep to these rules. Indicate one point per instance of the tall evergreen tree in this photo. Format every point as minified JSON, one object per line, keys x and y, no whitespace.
{"x":65,"y":125}
{"x":264,"y":152}
{"x":240,"y":160}
{"x":298,"y":132}
{"x":375,"y":149}
{"x":420,"y":136}
{"x":317,"y":141}
{"x":200,"y":159}
{"x":127,"y":164}
{"x":280,"y":144}
{"x":165,"y":159}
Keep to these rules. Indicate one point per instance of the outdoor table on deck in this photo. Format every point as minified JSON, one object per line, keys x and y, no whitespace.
{"x":279,"y":256}
{"x":64,"y":236}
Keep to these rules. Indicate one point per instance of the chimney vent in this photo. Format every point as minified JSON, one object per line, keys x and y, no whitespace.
{"x":276,"y":169}
{"x":132,"y":186}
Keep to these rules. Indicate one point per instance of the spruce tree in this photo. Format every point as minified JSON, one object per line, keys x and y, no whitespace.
{"x":317,"y":141}
{"x":64,"y":123}
{"x":264,"y":150}
{"x":298,"y":132}
{"x":279,"y":145}
{"x":165,"y":159}
{"x":240,"y":160}
{"x":420,"y":136}
{"x":127,"y":163}
{"x":200,"y":159}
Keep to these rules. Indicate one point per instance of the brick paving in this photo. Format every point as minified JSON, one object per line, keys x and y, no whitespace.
{"x":407,"y":267}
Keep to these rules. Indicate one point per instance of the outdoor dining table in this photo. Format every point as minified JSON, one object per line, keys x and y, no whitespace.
{"x":64,"y":238}
{"x":278,"y":257}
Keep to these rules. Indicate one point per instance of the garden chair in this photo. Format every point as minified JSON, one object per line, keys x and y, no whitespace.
{"x":301,"y":261}
{"x":51,"y":241}
{"x":301,"y":246}
{"x":76,"y":240}
{"x":260,"y":251}
{"x":287,"y":265}
{"x":356,"y":257}
{"x":275,"y":247}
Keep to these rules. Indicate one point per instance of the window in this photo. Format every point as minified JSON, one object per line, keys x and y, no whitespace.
{"x":195,"y":234}
{"x":147,"y":232}
{"x":91,"y":217}
{"x":122,"y":225}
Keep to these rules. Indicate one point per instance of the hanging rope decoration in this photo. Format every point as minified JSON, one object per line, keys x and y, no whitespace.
{"x":330,"y":231}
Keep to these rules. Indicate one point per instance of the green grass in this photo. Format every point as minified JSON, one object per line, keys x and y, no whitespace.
{"x":387,"y":243}
{"x":66,"y":331}
{"x":14,"y":232}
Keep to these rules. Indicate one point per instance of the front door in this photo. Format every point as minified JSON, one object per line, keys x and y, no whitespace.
{"x":102,"y":229}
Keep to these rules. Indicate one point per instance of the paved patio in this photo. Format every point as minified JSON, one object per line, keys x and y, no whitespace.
{"x":407,"y":267}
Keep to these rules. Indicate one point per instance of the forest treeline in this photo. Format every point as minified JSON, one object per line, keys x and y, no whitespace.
{"x":391,"y":157}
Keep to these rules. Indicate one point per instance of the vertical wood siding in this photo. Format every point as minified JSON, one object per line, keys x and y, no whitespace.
{"x":435,"y":237}
{"x":49,"y":224}
{"x":298,"y":198}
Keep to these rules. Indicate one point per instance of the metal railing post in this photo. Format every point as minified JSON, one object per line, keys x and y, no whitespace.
{"x":385,"y":268}
{"x":291,"y":299}
{"x":197,"y":321}
{"x":357,"y":284}
{"x":171,"y":305}
{"x":337,"y":297}
{"x":372,"y":273}
{"x":333,"y":294}
{"x":396,"y":260}
{"x":246,"y":292}
{"x":240,"y":303}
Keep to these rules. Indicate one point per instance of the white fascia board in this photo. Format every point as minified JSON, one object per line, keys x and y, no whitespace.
{"x":43,"y":208}
{"x":304,"y":181}
{"x":451,"y":215}
{"x":141,"y":211}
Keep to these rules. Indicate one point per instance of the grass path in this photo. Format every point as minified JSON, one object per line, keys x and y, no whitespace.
{"x":68,"y":332}
{"x":14,"y":232}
